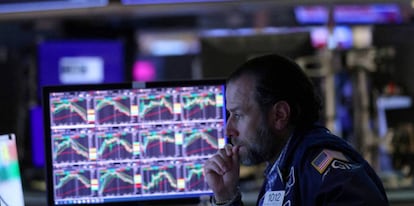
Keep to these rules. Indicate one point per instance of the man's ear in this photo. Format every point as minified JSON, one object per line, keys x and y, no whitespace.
{"x":280,"y":115}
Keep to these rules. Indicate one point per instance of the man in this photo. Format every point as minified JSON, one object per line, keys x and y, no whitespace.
{"x":273,"y":110}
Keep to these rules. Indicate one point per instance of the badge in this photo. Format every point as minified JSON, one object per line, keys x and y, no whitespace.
{"x":274,"y":198}
{"x":325,"y":158}
{"x":337,"y":164}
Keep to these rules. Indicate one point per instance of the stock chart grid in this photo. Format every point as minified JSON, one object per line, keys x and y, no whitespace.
{"x":134,"y":144}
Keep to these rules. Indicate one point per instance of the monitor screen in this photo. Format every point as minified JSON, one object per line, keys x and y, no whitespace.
{"x":123,"y":143}
{"x":392,"y":111}
{"x":11,"y":188}
{"x":350,"y":14}
{"x":368,"y":14}
{"x":86,"y":61}
{"x":13,"y":6}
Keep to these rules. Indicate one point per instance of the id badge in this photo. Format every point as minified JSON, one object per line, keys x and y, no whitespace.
{"x":274,"y":198}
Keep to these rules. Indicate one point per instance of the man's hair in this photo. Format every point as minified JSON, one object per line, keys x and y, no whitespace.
{"x":278,"y":78}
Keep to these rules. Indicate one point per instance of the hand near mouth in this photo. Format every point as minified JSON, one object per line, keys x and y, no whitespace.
{"x":222,"y":172}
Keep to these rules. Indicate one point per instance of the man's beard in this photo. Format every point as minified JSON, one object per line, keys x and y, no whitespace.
{"x":264,"y":147}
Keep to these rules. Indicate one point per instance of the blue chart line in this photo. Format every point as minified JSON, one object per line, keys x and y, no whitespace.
{"x":201,"y":141}
{"x":159,"y":179}
{"x":115,"y":145}
{"x":116,"y":181}
{"x":75,"y":183}
{"x":68,"y":111}
{"x":113,"y":110}
{"x":156,"y":108}
{"x":159,"y":143}
{"x":70,"y":147}
{"x":204,"y":105}
{"x":194,"y":177}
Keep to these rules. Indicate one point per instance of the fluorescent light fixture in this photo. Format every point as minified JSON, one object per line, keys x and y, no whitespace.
{"x":168,"y":43}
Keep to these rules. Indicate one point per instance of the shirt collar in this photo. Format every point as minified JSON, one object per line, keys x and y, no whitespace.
{"x":271,"y":168}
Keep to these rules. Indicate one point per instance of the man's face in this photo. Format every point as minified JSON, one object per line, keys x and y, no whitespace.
{"x":247,"y":126}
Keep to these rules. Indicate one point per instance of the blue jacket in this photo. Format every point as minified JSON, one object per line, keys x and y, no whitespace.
{"x":320,"y":168}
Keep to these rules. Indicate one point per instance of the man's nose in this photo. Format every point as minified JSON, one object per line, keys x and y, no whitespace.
{"x":231,"y":131}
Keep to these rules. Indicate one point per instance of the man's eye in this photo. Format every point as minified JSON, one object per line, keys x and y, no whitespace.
{"x":237,"y":116}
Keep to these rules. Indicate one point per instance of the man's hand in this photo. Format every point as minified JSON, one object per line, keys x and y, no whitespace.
{"x":222,"y":172}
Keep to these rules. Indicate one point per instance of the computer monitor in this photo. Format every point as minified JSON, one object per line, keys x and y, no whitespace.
{"x":11,"y":189}
{"x":350,"y":14}
{"x":84,"y":61}
{"x":138,"y":143}
{"x":392,"y":111}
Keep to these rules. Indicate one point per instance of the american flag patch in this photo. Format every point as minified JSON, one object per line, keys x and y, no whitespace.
{"x":325,"y":158}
